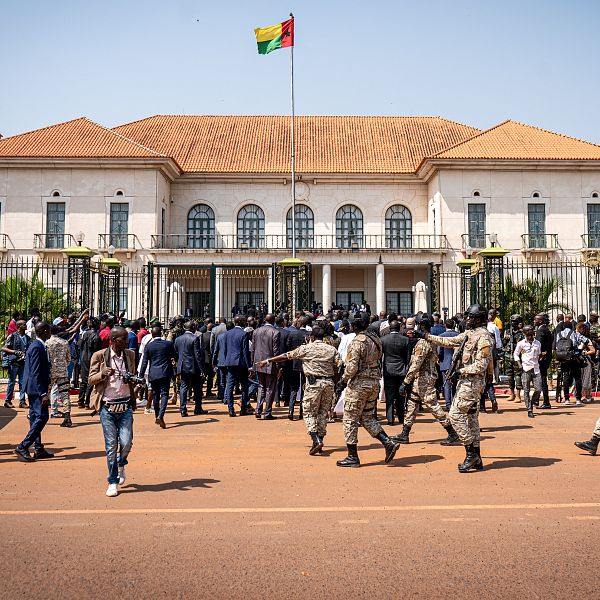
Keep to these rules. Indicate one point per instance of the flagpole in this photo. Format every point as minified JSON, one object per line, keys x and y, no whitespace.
{"x":293,"y":153}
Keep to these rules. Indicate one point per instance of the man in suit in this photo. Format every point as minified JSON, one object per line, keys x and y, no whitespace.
{"x":205,"y":337}
{"x":546,"y":339}
{"x":445,"y":355}
{"x":190,"y":366}
{"x":235,"y":349}
{"x":265,"y":344}
{"x":36,"y":380}
{"x":217,"y":331}
{"x":396,"y":357}
{"x":158,"y":356}
{"x":296,"y":337}
{"x":88,"y":344}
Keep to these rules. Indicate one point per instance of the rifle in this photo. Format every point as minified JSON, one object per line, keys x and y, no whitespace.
{"x":456,"y":358}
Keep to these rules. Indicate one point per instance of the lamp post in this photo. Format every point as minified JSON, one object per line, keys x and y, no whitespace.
{"x":78,"y":274}
{"x":493,"y":271}
{"x":110,"y":282}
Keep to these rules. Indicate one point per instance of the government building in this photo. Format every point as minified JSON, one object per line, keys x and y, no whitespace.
{"x":198,"y":209}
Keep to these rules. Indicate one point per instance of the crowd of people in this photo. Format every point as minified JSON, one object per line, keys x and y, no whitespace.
{"x":342,"y":362}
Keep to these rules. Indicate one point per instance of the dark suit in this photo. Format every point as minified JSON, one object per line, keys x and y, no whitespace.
{"x":215,"y":334}
{"x":396,"y":357}
{"x":235,"y":349}
{"x":36,"y":379}
{"x":208,"y":368}
{"x":88,"y":343}
{"x":546,"y":339}
{"x":265,"y":344}
{"x":190,"y":365}
{"x":295,"y":338}
{"x":159,"y":354}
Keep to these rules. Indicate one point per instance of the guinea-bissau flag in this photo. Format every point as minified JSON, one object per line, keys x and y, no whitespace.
{"x":274,"y":37}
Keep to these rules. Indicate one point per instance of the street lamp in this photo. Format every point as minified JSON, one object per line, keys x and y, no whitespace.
{"x":111,"y":251}
{"x":79,"y":238}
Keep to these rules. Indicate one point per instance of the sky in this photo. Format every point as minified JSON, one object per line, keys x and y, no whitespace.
{"x":476,"y":62}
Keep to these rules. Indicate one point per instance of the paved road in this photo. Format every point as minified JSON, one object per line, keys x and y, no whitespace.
{"x":235,"y":508}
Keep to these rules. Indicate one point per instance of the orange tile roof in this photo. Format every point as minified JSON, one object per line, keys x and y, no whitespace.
{"x":79,"y":138}
{"x":511,"y":140}
{"x":261,"y":144}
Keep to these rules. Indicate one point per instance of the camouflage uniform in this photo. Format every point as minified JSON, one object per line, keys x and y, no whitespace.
{"x":513,"y":370}
{"x":363,"y":372}
{"x":476,"y":364}
{"x":60,"y":357}
{"x":422,"y":374}
{"x":319,"y":360}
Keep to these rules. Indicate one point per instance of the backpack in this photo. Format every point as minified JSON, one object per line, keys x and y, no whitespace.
{"x":564,"y":349}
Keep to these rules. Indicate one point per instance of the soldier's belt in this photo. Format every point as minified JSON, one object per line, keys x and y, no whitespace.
{"x":312,"y":379}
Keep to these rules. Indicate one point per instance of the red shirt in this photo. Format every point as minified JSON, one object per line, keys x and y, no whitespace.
{"x":104,"y":333}
{"x":141,"y":333}
{"x":12,"y":327}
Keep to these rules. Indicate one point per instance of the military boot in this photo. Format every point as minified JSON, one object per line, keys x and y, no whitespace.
{"x":317,"y":444}
{"x":472,"y":460}
{"x":67,"y":420}
{"x":478,"y":467}
{"x":403,"y":437}
{"x":352,"y":459}
{"x":591,"y":446}
{"x":322,"y":438}
{"x":391,"y":446}
{"x":518,"y":398}
{"x":530,"y":409}
{"x":452,"y":436}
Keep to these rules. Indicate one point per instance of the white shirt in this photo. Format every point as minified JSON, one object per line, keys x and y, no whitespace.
{"x":493,"y":329}
{"x":529,"y":355}
{"x":344,"y":345}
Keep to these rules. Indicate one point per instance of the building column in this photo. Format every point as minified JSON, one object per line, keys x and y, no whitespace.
{"x":218,"y":293}
{"x":270,"y":290}
{"x":380,"y":303}
{"x":326,"y":291}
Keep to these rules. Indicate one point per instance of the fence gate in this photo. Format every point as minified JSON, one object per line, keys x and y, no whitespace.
{"x":293,"y":285}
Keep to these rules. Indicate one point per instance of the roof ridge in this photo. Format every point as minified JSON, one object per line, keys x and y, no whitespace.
{"x":16,"y":135}
{"x":481,"y":132}
{"x":283,"y":116}
{"x":569,"y":137}
{"x":130,"y":141}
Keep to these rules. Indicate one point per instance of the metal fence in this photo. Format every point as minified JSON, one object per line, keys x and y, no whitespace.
{"x":570,"y":285}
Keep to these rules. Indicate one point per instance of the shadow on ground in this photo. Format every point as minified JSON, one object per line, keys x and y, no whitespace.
{"x":183,"y":485}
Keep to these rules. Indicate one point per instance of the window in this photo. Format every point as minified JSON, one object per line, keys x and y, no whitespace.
{"x":593,"y":216}
{"x":119,"y":219}
{"x":347,"y":299}
{"x":201,"y":227}
{"x":55,"y":225}
{"x":197,"y":302}
{"x":304,"y":227}
{"x":349,"y":227}
{"x":251,"y":227}
{"x":476,"y":224}
{"x":536,"y":225}
{"x":400,"y":302}
{"x":398,"y":227}
{"x":123,"y":298}
{"x":163,"y":221}
{"x":247,"y":299}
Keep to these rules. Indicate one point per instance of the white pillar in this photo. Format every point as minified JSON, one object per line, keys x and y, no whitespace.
{"x":270,"y":290}
{"x":218,"y":292}
{"x":380,"y":303}
{"x":326,"y":291}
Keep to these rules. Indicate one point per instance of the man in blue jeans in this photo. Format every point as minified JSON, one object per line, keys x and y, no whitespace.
{"x":159,"y":354}
{"x":36,"y":379}
{"x":14,"y":349}
{"x":113,"y":397}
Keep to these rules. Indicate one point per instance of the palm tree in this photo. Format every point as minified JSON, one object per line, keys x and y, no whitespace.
{"x":533,"y":296}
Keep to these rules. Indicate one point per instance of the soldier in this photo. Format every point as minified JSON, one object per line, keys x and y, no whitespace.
{"x":474,"y":368}
{"x":419,"y":385}
{"x":591,"y":446}
{"x":60,"y":356}
{"x":321,"y":362}
{"x":511,"y":338}
{"x":362,"y":375}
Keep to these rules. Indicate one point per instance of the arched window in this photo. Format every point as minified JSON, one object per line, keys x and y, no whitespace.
{"x":201,"y":227}
{"x":304,"y":226}
{"x":349,"y":227}
{"x":251,"y":227}
{"x":398,"y":227}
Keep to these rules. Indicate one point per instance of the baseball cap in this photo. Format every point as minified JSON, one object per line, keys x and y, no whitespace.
{"x":410,"y":323}
{"x":58,"y":321}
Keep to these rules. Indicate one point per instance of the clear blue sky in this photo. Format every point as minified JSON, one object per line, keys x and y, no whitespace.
{"x":477,"y":62}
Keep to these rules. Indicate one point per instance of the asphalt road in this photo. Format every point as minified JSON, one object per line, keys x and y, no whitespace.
{"x":215,"y":507}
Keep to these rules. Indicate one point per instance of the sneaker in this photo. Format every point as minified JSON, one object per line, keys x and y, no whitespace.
{"x":578,"y":403}
{"x":567,"y":403}
{"x":112,"y":490}
{"x":149,"y":411}
{"x":122,"y":476}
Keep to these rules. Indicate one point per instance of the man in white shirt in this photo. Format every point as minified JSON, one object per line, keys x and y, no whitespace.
{"x":527,"y":353}
{"x":495,"y":332}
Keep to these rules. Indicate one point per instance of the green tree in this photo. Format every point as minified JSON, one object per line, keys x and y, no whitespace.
{"x":533,"y":296}
{"x":20,"y":294}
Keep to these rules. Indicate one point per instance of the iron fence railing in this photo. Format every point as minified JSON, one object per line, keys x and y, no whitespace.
{"x":478,"y":242}
{"x":379,"y":242}
{"x":539,"y":241}
{"x":4,"y":240}
{"x":590,"y":240}
{"x":53,"y":241}
{"x":127,"y":241}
